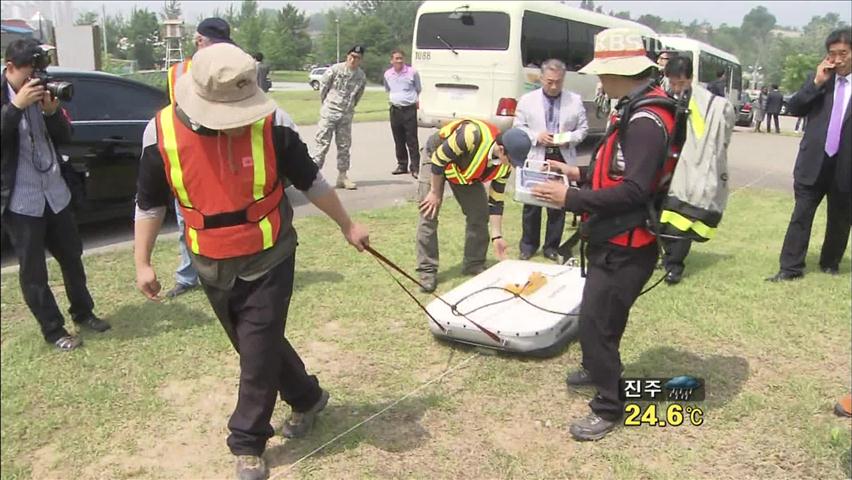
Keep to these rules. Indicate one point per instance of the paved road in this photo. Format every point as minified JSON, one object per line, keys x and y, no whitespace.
{"x":755,"y":159}
{"x":302,"y":86}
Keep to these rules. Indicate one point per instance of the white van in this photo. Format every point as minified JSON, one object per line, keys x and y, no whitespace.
{"x":707,"y":61}
{"x":476,"y":59}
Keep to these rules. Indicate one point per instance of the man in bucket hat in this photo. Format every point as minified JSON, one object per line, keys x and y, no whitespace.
{"x":210,"y":31}
{"x":620,"y":184}
{"x":226,"y":152}
{"x":467,"y":153}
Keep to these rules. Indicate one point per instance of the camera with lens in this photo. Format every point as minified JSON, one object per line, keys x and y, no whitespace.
{"x":60,"y":90}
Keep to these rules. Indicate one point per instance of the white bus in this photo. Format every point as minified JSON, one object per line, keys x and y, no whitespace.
{"x":707,"y":61}
{"x":477,"y":58}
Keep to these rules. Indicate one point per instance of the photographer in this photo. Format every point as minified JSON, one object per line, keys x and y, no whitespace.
{"x":35,"y":200}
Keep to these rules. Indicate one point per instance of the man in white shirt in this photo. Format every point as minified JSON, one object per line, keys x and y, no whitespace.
{"x":555,"y":121}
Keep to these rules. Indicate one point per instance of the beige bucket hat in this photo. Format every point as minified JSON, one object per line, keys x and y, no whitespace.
{"x":221,"y":91}
{"x":619,"y":51}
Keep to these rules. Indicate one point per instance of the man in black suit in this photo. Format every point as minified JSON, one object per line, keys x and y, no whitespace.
{"x":774,"y":101}
{"x":824,"y":164}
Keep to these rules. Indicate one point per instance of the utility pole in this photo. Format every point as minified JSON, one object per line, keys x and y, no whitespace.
{"x":337,"y":21}
{"x":104,"y":26}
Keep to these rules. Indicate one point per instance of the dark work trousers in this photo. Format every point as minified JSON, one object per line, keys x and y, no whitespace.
{"x":614,"y":279}
{"x":769,"y":118}
{"x":838,"y":218}
{"x":676,"y":252}
{"x":531,"y":223}
{"x":254,"y":315}
{"x":58,"y":233}
{"x":403,"y":122}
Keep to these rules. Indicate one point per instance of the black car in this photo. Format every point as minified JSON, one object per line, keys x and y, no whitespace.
{"x":108,"y":115}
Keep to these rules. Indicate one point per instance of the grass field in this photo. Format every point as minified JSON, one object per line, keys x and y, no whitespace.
{"x":298,"y":76}
{"x":304,"y":106}
{"x":151,"y":398}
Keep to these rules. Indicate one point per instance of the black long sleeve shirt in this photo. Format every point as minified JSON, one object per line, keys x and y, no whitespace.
{"x":643,"y":149}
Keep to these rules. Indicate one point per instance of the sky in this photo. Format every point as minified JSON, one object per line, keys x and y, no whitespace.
{"x":787,"y":13}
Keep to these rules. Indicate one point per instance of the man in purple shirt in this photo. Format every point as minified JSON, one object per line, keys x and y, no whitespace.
{"x":402,"y":82}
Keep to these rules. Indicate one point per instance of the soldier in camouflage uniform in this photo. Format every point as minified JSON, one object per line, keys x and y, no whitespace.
{"x":342,"y":87}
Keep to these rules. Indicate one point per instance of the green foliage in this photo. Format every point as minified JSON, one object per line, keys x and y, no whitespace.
{"x":379,"y":26}
{"x":87,"y":18}
{"x":290,"y":45}
{"x":797,"y":67}
{"x":143,"y":33}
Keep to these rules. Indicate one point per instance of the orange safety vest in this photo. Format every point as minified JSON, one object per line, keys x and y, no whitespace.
{"x":227,"y":213}
{"x":175,"y":71}
{"x":478,"y":170}
{"x":607,"y":173}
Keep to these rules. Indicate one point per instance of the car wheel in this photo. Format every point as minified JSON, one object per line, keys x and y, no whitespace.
{"x":315,"y":85}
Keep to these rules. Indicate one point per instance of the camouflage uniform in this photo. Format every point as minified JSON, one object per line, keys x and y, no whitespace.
{"x":340,"y":93}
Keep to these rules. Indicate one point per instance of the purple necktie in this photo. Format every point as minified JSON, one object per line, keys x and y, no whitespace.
{"x":832,"y":139}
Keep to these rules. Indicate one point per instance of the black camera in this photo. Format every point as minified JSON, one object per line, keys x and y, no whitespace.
{"x":60,"y":90}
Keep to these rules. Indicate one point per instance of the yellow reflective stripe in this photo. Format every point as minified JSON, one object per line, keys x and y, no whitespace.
{"x":171,"y":78}
{"x":684,"y":224}
{"x":167,"y":124}
{"x":193,"y":240}
{"x":695,"y":118}
{"x":484,"y":147}
{"x":258,"y":155}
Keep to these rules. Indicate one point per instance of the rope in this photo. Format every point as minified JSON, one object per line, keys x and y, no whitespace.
{"x":373,"y":416}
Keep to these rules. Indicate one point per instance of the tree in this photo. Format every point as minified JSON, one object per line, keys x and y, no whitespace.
{"x":143,"y":34}
{"x":624,"y":14}
{"x":797,"y":67}
{"x":587,"y":5}
{"x":652,"y":21}
{"x":290,"y":45}
{"x":171,"y":10}
{"x":87,"y":18}
{"x":248,"y":26}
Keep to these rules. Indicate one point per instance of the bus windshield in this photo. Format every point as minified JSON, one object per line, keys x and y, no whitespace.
{"x":463,"y":31}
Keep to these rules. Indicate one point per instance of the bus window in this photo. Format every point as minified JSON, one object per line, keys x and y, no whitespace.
{"x":466,"y":31}
{"x":581,"y":44}
{"x":543,"y":37}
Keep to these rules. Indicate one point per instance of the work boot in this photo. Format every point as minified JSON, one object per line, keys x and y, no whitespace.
{"x":674,"y":277}
{"x":251,"y":467}
{"x":180,"y":289}
{"x":92,"y":322}
{"x":473,"y":270}
{"x":344,"y":182}
{"x":581,"y":377}
{"x":592,"y":427}
{"x":428,"y":284}
{"x":299,"y":423}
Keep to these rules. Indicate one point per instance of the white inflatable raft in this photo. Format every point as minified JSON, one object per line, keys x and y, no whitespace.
{"x":516,"y":326}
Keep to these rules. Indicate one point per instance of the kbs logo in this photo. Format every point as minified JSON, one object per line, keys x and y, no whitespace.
{"x":422,"y":55}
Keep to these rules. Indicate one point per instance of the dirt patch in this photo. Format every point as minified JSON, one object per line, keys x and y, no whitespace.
{"x":189,"y":442}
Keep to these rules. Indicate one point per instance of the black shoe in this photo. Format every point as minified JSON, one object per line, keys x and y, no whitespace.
{"x":592,"y":427}
{"x":180,"y":289}
{"x":579,"y":378}
{"x":784,"y":276}
{"x":92,"y":322}
{"x":400,"y":170}
{"x":525,"y":255}
{"x":673,"y":278}
{"x":551,"y":255}
{"x":830,"y":270}
{"x":251,"y":467}
{"x":428,"y":285}
{"x":415,"y":174}
{"x":300,"y":423}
